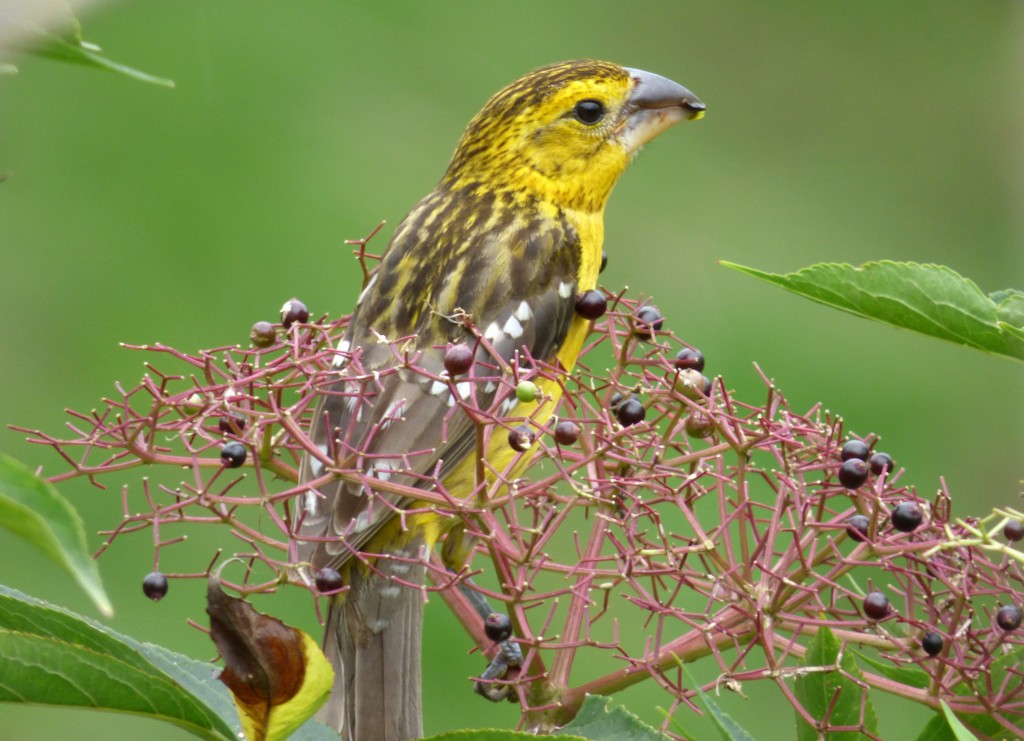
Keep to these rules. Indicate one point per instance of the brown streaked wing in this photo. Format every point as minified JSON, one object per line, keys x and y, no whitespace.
{"x":519,"y":285}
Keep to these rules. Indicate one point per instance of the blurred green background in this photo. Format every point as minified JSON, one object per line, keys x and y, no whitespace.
{"x":835,"y":132}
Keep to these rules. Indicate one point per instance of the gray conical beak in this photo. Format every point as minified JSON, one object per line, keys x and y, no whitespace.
{"x":656,"y":103}
{"x":651,"y":91}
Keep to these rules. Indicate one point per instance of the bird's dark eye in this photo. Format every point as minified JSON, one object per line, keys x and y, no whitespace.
{"x":589,"y":111}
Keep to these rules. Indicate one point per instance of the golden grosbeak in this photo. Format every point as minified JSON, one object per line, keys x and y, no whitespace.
{"x":508,"y":239}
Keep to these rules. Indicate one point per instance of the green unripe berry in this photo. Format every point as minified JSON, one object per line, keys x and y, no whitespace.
{"x":527,"y":391}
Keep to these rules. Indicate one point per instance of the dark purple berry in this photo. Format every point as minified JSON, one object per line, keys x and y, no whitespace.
{"x":876,"y":605}
{"x":498,"y":627}
{"x":591,"y":305}
{"x":688,"y":358}
{"x":263,"y":334}
{"x":458,"y":359}
{"x":857,"y":527}
{"x":647,"y":321}
{"x":567,"y":433}
{"x":1013,"y":530}
{"x":907,"y":517}
{"x":327,"y":580}
{"x":520,"y":438}
{"x":604,"y":261}
{"x":232,"y":423}
{"x":855,"y":449}
{"x":853,"y":473}
{"x":1008,"y":617}
{"x":931,"y":642}
{"x":630,"y":412}
{"x":154,"y":586}
{"x":294,"y":311}
{"x":880,"y":463}
{"x":699,"y":425}
{"x":233,"y":454}
{"x":617,"y":398}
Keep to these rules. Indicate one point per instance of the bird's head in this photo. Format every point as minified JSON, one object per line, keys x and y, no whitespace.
{"x":566,"y":132}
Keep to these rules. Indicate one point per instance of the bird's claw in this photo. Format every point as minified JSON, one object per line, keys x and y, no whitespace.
{"x":509,"y":659}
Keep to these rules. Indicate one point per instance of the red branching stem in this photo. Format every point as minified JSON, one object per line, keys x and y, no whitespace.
{"x":713,"y":530}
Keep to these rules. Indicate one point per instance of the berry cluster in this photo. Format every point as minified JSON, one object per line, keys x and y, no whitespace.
{"x":663,"y":519}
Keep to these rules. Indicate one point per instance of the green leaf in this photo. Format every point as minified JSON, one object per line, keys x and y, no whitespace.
{"x":65,"y":42}
{"x":32,"y":509}
{"x":960,"y":732}
{"x":50,"y":656}
{"x":987,"y":723}
{"x":930,"y":299}
{"x":1010,"y":311}
{"x":491,"y":734}
{"x":599,"y":721}
{"x":910,"y":675}
{"x":824,"y":690}
{"x":728,"y":728}
{"x":937,"y":729}
{"x":82,"y":52}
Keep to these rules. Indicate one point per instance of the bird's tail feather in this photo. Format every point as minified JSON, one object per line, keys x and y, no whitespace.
{"x":373,"y":639}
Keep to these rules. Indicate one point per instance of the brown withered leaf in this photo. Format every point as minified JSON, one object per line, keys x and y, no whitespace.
{"x":276,"y":673}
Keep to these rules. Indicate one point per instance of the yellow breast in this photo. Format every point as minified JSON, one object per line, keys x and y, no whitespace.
{"x":462,"y":481}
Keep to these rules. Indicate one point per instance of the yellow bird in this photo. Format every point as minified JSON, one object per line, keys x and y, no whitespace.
{"x":510,"y":236}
